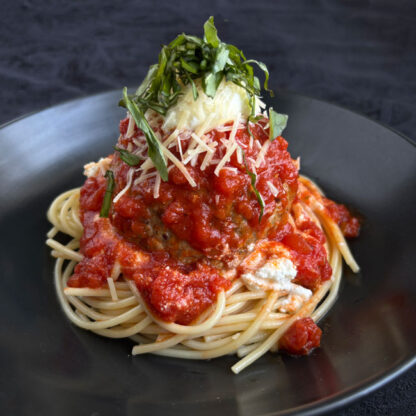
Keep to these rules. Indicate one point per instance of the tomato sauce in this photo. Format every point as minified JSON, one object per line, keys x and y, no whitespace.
{"x":307,"y":251}
{"x":175,"y":292}
{"x":301,"y":337}
{"x":349,"y":225}
{"x":168,"y":244}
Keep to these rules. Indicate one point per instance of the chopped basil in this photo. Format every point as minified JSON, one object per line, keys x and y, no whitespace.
{"x":221,"y":58}
{"x":189,"y":66}
{"x":263,"y":67}
{"x":127,"y":157}
{"x":105,"y":207}
{"x":194,"y":89}
{"x":277,"y":124}
{"x":210,"y":33}
{"x":153,"y":144}
{"x":210,"y":83}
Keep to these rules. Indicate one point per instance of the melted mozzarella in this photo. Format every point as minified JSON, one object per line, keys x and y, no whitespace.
{"x":229,"y":103}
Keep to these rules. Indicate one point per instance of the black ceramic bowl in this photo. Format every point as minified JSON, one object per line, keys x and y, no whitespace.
{"x":51,"y":367}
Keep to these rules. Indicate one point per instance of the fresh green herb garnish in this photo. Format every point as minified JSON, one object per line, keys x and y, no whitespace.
{"x":210,"y":33}
{"x":277,"y":123}
{"x":253,"y":179}
{"x":127,"y":157}
{"x":153,"y":144}
{"x":181,"y":62}
{"x":105,"y":207}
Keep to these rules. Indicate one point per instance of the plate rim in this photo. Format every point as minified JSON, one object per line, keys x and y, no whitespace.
{"x":355,"y":393}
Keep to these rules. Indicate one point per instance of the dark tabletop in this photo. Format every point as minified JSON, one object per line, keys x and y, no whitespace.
{"x":360,"y":54}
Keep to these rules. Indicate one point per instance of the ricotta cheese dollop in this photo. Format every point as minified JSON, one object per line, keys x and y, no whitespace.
{"x":277,"y":274}
{"x":229,"y":103}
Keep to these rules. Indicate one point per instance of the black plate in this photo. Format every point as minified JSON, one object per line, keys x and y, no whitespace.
{"x":51,"y":367}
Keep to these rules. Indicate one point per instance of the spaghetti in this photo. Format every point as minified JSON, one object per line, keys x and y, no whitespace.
{"x":242,"y":321}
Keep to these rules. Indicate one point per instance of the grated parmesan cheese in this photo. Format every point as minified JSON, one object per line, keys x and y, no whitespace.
{"x":273,"y":189}
{"x":226,"y":157}
{"x":179,"y":165}
{"x":156,"y":187}
{"x":234,"y":129}
{"x":201,"y":142}
{"x":262,"y":153}
{"x":208,"y":158}
{"x":127,"y":187}
{"x":240,"y":155}
{"x":130,"y":128}
{"x":180,"y":146}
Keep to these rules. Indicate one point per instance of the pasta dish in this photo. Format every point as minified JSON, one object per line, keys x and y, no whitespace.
{"x":197,"y":237}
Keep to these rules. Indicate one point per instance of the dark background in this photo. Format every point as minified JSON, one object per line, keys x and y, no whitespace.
{"x":359,"y":54}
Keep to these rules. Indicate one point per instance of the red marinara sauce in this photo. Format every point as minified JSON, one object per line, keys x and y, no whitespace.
{"x":175,"y":292}
{"x":301,"y":337}
{"x":306,"y":245}
{"x":153,"y":236}
{"x":349,"y":225}
{"x":220,"y":214}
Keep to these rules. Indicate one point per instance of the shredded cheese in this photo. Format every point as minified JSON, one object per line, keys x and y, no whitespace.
{"x":208,"y":158}
{"x":179,"y":165}
{"x":226,"y":158}
{"x":156,"y":187}
{"x":180,"y":146}
{"x":190,"y":155}
{"x":171,"y":138}
{"x":144,"y":176}
{"x":239,"y":155}
{"x":130,"y":128}
{"x":262,"y":153}
{"x":273,"y":189}
{"x":127,"y":187}
{"x":234,"y":129}
{"x":201,"y":142}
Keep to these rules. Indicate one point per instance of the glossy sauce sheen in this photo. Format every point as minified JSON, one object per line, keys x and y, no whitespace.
{"x":172,"y":246}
